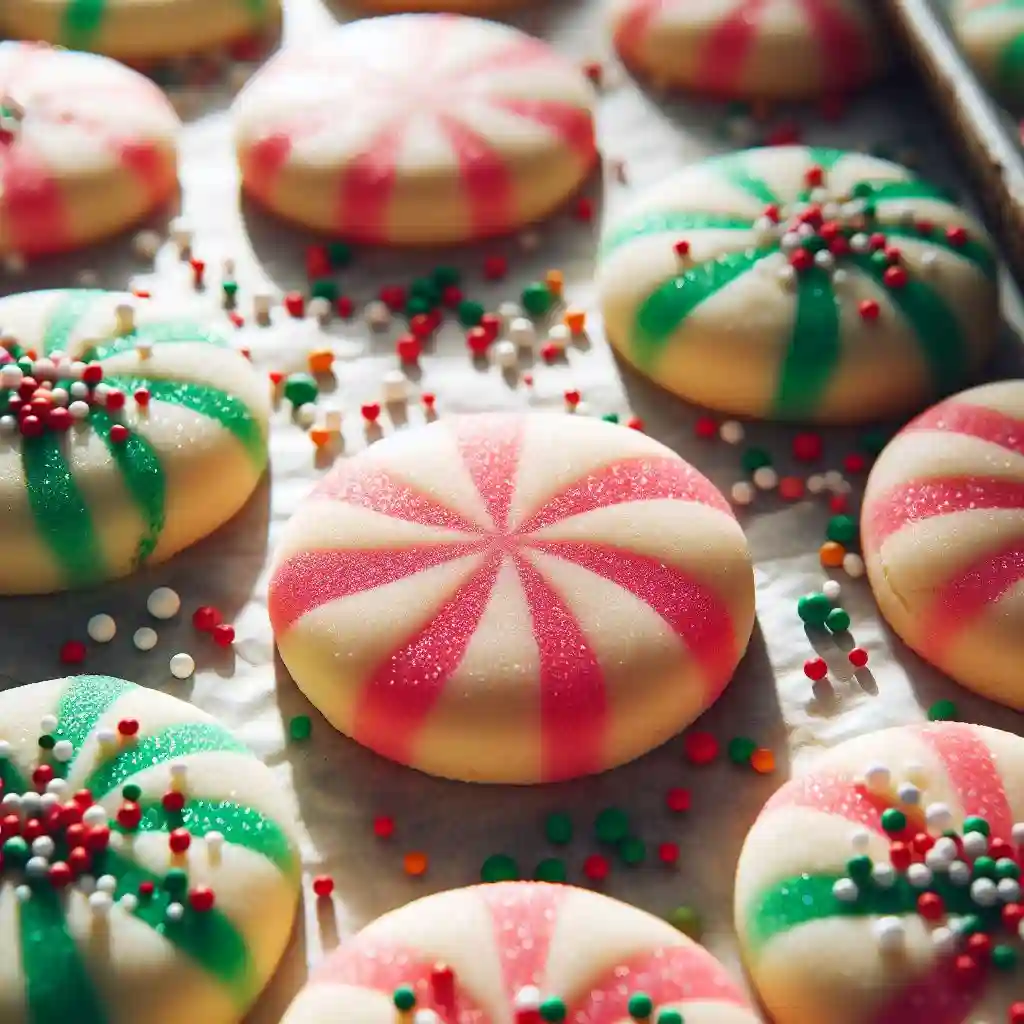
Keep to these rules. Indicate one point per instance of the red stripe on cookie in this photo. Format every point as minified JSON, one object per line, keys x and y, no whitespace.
{"x":977,"y":421}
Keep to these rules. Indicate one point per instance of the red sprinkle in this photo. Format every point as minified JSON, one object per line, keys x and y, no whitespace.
{"x":115,"y":399}
{"x":421,"y":326}
{"x":146,"y":889}
{"x":815,"y":176}
{"x":206,"y":618}
{"x":584,"y":209}
{"x":294,"y":304}
{"x":173,"y":801}
{"x":700,"y":747}
{"x":495,"y":268}
{"x":815,"y":669}
{"x":428,"y":399}
{"x":678,"y":800}
{"x":118,"y":433}
{"x":73,"y":652}
{"x":930,"y":906}
{"x":202,"y":899}
{"x":549,"y":352}
{"x":635,"y":423}
{"x":901,"y":856}
{"x":668,"y":853}
{"x":980,"y":945}
{"x":141,"y":397}
{"x":370,"y":411}
{"x":43,"y":775}
{"x":858,"y":657}
{"x":869,"y":309}
{"x":318,"y":263}
{"x":383,"y":826}
{"x":408,"y":348}
{"x":451,"y":296}
{"x":791,"y":488}
{"x":682,"y":248}
{"x":60,"y":875}
{"x":346,"y":307}
{"x":706,"y":428}
{"x":180,"y":840}
{"x":807,"y":447}
{"x":126,"y":727}
{"x":956,"y":236}
{"x":596,"y":868}
{"x":895,"y":277}
{"x":855,"y":463}
{"x":323,"y":886}
{"x":477,"y":341}
{"x":572,"y":398}
{"x":491,"y":323}
{"x":838,"y":503}
{"x":223,"y":635}
{"x":129,"y":814}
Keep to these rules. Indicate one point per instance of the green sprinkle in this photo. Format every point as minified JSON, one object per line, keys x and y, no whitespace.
{"x":417,"y":306}
{"x":132,"y":792}
{"x":552,"y":869}
{"x":300,"y":389}
{"x":499,"y":867}
{"x":740,"y":748}
{"x":324,"y":288}
{"x":446,"y":277}
{"x":814,"y":608}
{"x":640,"y":1006}
{"x":754,"y":459}
{"x":1007,"y":868}
{"x":300,"y":728}
{"x":558,"y":828}
{"x":976,"y":824}
{"x":670,"y":1017}
{"x":611,"y":825}
{"x":686,"y":920}
{"x":424,"y":288}
{"x":470,"y":313}
{"x":838,"y":620}
{"x":893,"y":820}
{"x":230,"y":288}
{"x":47,"y":742}
{"x":176,"y":881}
{"x":633,"y":851}
{"x":1004,"y":958}
{"x":842,"y":529}
{"x":552,"y":1010}
{"x":610,"y":417}
{"x":864,"y":188}
{"x":984,"y":867}
{"x":942,"y":711}
{"x":859,"y":868}
{"x":15,"y":852}
{"x":404,"y":998}
{"x":339,"y":253}
{"x":537,"y":298}
{"x":971,"y":924}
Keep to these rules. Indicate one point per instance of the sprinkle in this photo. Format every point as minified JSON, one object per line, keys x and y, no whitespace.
{"x":857,"y":657}
{"x":942,"y":711}
{"x":72,"y":652}
{"x":323,"y":886}
{"x":742,"y":493}
{"x":731,"y":432}
{"x":551,"y":869}
{"x":415,"y":864}
{"x":558,"y":828}
{"x":686,"y":920}
{"x":175,"y":912}
{"x":611,"y":825}
{"x":300,"y":728}
{"x":814,"y":609}
{"x":101,"y":628}
{"x":884,"y":875}
{"x":877,"y":777}
{"x":740,"y":749}
{"x":763,"y":761}
{"x":700,"y":748}
{"x":596,"y":868}
{"x":633,"y":851}
{"x":499,"y":867}
{"x":678,"y":800}
{"x":383,"y":826}
{"x":182,"y":665}
{"x":404,"y":997}
{"x":853,"y":565}
{"x":815,"y":669}
{"x":791,"y":488}
{"x":845,"y":890}
{"x":206,"y":618}
{"x":144,"y":638}
{"x":890,"y":934}
{"x":832,"y":589}
{"x":838,"y":620}
{"x":831,"y":554}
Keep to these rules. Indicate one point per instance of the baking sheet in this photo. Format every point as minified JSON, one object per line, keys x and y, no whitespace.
{"x":340,"y":788}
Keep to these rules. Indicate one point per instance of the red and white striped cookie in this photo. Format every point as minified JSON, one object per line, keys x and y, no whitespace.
{"x":87,"y":148}
{"x":416,"y":129}
{"x":943,"y":534}
{"x":520,"y":953}
{"x":510,"y":598}
{"x":751,"y":49}
{"x":883,"y":887}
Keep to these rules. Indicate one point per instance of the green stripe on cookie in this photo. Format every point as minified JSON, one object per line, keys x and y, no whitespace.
{"x":168,"y":745}
{"x":230,"y":412}
{"x":173,"y":332}
{"x":58,"y":986}
{"x":814,"y":350}
{"x":672,"y":222}
{"x":895,"y":191}
{"x":62,"y":517}
{"x":665,"y":309}
{"x":85,"y":700}
{"x":933,"y":322}
{"x":65,"y":315}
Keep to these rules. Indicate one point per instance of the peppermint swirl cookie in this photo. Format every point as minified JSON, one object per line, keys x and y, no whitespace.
{"x":884,"y":886}
{"x":147,"y":859}
{"x":942,"y":528}
{"x":416,"y":129}
{"x":751,"y":49}
{"x":802,"y":284}
{"x":523,"y":952}
{"x":87,"y":148}
{"x":126,"y":434}
{"x":510,"y":598}
{"x":139,"y":30}
{"x":991,"y":33}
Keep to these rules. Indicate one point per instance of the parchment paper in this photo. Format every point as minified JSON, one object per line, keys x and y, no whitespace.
{"x":339,"y":787}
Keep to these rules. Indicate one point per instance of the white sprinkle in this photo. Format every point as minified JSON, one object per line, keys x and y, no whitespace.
{"x":832,"y":589}
{"x":731,"y":432}
{"x":5,"y":749}
{"x":181,"y":235}
{"x":1009,"y":890}
{"x":261,"y":304}
{"x":742,"y":493}
{"x":174,"y":912}
{"x":23,"y":893}
{"x":504,"y":353}
{"x":815,"y":483}
{"x":939,"y":817}
{"x":106,"y":736}
{"x":94,"y":816}
{"x":765,"y":478}
{"x":853,"y":565}
{"x":984,"y":892}
{"x":43,"y":846}
{"x":824,"y":259}
{"x":60,"y":396}
{"x":860,"y":243}
{"x":1017,"y":833}
{"x":145,"y":638}
{"x":395,"y":387}
{"x":48,"y":723}
{"x":101,"y":628}
{"x":57,"y":788}
{"x":106,"y":883}
{"x":63,"y":751}
{"x":214,"y":840}
{"x":11,"y":803}
{"x":527,"y":998}
{"x":163,"y":603}
{"x":909,"y":793}
{"x":959,"y":873}
{"x":86,"y":885}
{"x":877,"y":777}
{"x":124,"y":313}
{"x":78,"y":410}
{"x":100,"y":903}
{"x":182,"y":665}
{"x":31,"y":805}
{"x":521,"y":332}
{"x":939,"y":860}
{"x":845,"y":890}
{"x":425,"y":1016}
{"x":319,"y":309}
{"x":929,"y":258}
{"x":890,"y":934}
{"x":559,"y":336}
{"x":377,"y":315}
{"x":147,"y":244}
{"x":44,"y":369}
{"x":11,"y":376}
{"x":786,"y":275}
{"x":884,"y":874}
{"x":860,"y":839}
{"x":129,"y":902}
{"x":820,"y":194}
{"x":919,"y":876}
{"x":37,"y":867}
{"x":944,"y":941}
{"x":178,"y":769}
{"x":509,"y":311}
{"x":975,"y":844}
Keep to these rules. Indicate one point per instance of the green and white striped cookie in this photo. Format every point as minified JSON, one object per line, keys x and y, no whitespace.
{"x":991,"y":33}
{"x":801,"y":284}
{"x":149,"y":868}
{"x":165,"y":448}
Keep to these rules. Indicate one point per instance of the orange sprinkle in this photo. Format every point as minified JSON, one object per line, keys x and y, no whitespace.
{"x":555,"y":282}
{"x":319,"y":436}
{"x":415,"y":863}
{"x":831,"y":554}
{"x":321,"y":360}
{"x":762,"y":761}
{"x":576,"y":321}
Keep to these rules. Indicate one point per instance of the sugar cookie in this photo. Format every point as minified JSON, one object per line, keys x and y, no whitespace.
{"x":416,"y":129}
{"x":797,"y":283}
{"x":148,"y":862}
{"x":991,"y":33}
{"x":520,"y":951}
{"x":751,"y":49}
{"x":87,"y":148}
{"x":138,"y":30}
{"x":943,"y":535}
{"x":505,"y":598}
{"x":128,"y":434}
{"x":883,"y":887}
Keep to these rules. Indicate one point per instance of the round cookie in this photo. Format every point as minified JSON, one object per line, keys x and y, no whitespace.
{"x":991,"y":33}
{"x":942,"y":529}
{"x":416,"y":129}
{"x":800,"y":284}
{"x":883,"y":886}
{"x":148,"y":859}
{"x":87,"y":149}
{"x":128,"y":434}
{"x":751,"y":49}
{"x":510,"y":598}
{"x":138,"y":30}
{"x":522,"y":952}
